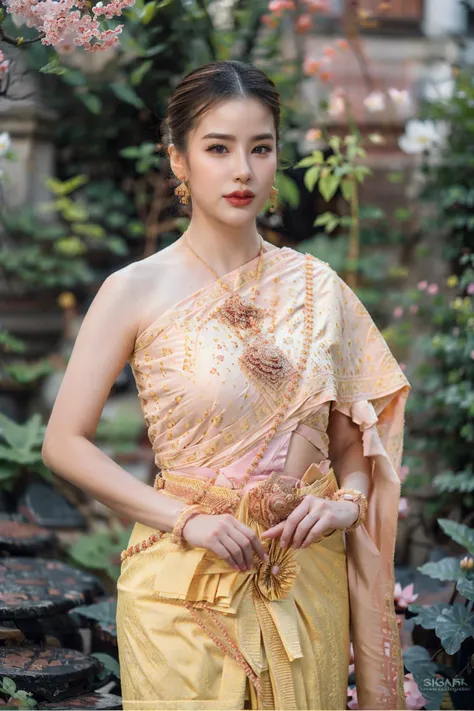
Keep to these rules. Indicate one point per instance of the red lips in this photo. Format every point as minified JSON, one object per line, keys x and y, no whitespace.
{"x":241,"y":194}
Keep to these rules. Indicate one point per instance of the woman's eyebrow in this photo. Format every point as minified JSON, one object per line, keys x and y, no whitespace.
{"x":228,"y":137}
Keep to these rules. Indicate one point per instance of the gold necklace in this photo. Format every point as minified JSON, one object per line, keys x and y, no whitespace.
{"x":236,"y":312}
{"x":219,"y":279}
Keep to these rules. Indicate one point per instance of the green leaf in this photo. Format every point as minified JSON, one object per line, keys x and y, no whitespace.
{"x":427,"y":615}
{"x":149,"y":12}
{"x":324,"y":218}
{"x":136,"y":77}
{"x":9,"y":685}
{"x":395,"y":177}
{"x":347,"y":187}
{"x":459,"y":532}
{"x":328,"y":186}
{"x":54,"y":67}
{"x":92,"y":102}
{"x":417,"y":660}
{"x":454,"y":625}
{"x":311,"y":177}
{"x":371,"y":212}
{"x":109,"y":663}
{"x":127,"y":94}
{"x":445,"y":569}
{"x":402,"y":214}
{"x":466,"y":588}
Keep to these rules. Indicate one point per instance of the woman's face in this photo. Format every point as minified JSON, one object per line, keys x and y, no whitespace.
{"x":232,"y":148}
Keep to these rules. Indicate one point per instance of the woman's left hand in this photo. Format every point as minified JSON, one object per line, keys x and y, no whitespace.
{"x":313,"y":518}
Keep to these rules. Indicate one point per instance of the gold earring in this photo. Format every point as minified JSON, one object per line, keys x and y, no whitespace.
{"x":183,"y":193}
{"x":273,"y":199}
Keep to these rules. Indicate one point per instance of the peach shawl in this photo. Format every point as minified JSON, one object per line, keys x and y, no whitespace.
{"x":203,"y":410}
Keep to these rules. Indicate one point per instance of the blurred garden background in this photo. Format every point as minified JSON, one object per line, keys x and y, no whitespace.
{"x":377,"y":179}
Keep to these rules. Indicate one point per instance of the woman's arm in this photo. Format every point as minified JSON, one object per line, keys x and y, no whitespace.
{"x":346,"y":452}
{"x":102,"y":348}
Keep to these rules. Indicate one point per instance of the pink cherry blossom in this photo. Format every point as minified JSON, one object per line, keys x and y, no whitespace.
{"x":433,"y":289}
{"x":422,"y":285}
{"x":4,"y":64}
{"x":404,"y":472}
{"x":414,"y":308}
{"x":414,"y":698}
{"x":404,"y":596}
{"x":470,"y":288}
{"x":398,"y":312}
{"x":70,"y":23}
{"x":403,"y":507}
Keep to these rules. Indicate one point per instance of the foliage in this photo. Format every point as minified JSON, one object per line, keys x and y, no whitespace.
{"x":101,"y":550}
{"x":20,"y":450}
{"x":443,"y":314}
{"x":453,"y":623}
{"x":121,"y":432}
{"x":16,"y":698}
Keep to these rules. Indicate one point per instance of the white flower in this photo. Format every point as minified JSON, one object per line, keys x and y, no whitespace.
{"x":5,"y":143}
{"x":336,"y":104}
{"x":440,"y":85}
{"x":420,"y":136}
{"x":400,"y":99}
{"x":375,"y":101}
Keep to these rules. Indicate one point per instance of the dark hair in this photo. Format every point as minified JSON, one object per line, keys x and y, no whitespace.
{"x":209,"y":85}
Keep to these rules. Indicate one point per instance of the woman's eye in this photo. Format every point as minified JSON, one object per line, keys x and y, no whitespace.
{"x":215,"y":146}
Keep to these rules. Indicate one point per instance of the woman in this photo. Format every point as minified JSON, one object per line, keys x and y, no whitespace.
{"x":275,"y":411}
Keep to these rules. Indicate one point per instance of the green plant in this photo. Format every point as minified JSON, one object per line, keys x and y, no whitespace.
{"x":51,"y":253}
{"x":121,"y":432}
{"x":16,"y":698}
{"x":453,"y":623}
{"x":20,"y":450}
{"x":101,"y":550}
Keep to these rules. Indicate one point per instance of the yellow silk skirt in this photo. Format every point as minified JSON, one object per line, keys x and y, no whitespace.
{"x":194,"y":633}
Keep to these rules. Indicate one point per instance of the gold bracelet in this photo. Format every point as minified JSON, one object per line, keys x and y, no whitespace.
{"x":187,"y":513}
{"x":359,"y":498}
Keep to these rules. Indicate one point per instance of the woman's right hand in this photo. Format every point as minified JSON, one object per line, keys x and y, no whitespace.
{"x":227,"y":537}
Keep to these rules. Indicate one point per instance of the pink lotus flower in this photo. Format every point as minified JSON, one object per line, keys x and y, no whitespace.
{"x":414,"y":698}
{"x":433,"y":289}
{"x":404,"y":472}
{"x":398,"y":312}
{"x":404,"y":597}
{"x":422,"y":285}
{"x":414,"y":308}
{"x":472,"y":355}
{"x":403,"y":507}
{"x":470,"y":288}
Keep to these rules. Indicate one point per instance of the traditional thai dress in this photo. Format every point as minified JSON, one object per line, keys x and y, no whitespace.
{"x":193,"y":632}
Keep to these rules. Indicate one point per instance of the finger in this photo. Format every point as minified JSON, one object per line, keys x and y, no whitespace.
{"x":292,"y":522}
{"x":220,"y":550}
{"x":274,"y":531}
{"x":304,"y":527}
{"x":244,"y":544}
{"x":323,"y":528}
{"x":253,"y":538}
{"x":234,"y":548}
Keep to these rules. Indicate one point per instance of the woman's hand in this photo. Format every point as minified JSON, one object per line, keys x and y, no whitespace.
{"x":227,"y":537}
{"x":313,"y":517}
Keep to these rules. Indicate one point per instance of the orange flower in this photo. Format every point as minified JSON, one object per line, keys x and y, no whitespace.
{"x":311,"y":66}
{"x":326,"y":77}
{"x":329,"y":52}
{"x":342,"y":44}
